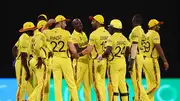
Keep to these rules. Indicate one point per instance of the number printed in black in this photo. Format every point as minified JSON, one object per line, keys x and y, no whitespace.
{"x":121,"y":51}
{"x":146,"y":46}
{"x":56,"y":44}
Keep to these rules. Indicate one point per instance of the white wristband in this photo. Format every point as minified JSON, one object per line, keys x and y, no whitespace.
{"x":133,"y":51}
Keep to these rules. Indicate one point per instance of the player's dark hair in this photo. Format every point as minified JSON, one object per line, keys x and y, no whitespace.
{"x":30,"y":32}
{"x":52,"y":26}
{"x":117,"y":30}
{"x":138,"y":19}
{"x":41,"y":18}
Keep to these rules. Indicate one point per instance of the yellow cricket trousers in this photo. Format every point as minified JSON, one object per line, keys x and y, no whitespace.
{"x":98,"y":77}
{"x":136,"y":77}
{"x":63,"y":66}
{"x":23,"y":85}
{"x":117,"y":79}
{"x":41,"y":77}
{"x":152,"y":74}
{"x":47,"y":87}
{"x":82,"y":75}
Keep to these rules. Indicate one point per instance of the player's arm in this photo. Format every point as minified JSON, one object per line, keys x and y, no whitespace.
{"x":14,"y":51}
{"x":24,"y":44}
{"x":73,"y":50}
{"x":156,"y":41}
{"x":133,"y":55}
{"x":86,"y":51}
{"x":72,"y":47}
{"x":90,"y":46}
{"x":133,"y":51}
{"x":78,"y":48}
{"x":24,"y":56}
{"x":39,"y":42}
{"x":48,"y":24}
{"x":128,"y":49}
{"x":107,"y":52}
{"x":160,"y":51}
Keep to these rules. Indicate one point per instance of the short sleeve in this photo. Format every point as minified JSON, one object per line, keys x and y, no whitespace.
{"x":24,"y":42}
{"x":134,"y":36}
{"x":156,"y":38}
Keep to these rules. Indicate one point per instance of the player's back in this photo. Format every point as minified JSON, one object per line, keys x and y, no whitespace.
{"x":152,"y":37}
{"x":59,"y":42}
{"x":100,"y":37}
{"x":39,"y":41}
{"x":137,"y":35}
{"x":119,"y":43}
{"x":23,"y":44}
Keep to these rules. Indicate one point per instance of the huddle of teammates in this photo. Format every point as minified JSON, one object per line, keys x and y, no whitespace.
{"x":49,"y":48}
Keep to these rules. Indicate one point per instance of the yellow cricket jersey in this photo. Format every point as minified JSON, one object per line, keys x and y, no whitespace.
{"x":118,"y":42}
{"x":23,"y":44}
{"x":152,"y":37}
{"x":82,"y":41}
{"x":98,"y":39}
{"x":39,"y":45}
{"x":137,"y":35}
{"x":58,"y":39}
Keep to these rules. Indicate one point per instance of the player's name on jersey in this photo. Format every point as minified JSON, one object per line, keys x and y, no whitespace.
{"x":55,"y":37}
{"x":103,"y":37}
{"x":121,"y":42}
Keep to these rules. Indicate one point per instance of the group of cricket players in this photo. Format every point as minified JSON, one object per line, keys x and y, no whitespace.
{"x":47,"y":47}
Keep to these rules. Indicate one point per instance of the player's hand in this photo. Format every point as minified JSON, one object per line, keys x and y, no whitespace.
{"x":27,"y":76}
{"x":99,"y":58}
{"x":39,"y":63}
{"x":166,"y":65}
{"x":75,"y":55}
{"x":131,"y":62}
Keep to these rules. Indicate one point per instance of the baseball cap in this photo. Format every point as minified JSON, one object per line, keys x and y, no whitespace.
{"x":27,"y":26}
{"x":115,"y":23}
{"x":43,"y":15}
{"x":99,"y":18}
{"x":61,"y":18}
{"x":41,"y":23}
{"x":154,"y":22}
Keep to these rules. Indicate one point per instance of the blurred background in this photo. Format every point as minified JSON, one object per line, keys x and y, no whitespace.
{"x":164,"y":10}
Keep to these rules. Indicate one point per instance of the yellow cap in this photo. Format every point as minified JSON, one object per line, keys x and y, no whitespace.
{"x":99,"y":18}
{"x":43,"y":15}
{"x":115,"y":23}
{"x":41,"y":23}
{"x":61,"y":18}
{"x":27,"y":26}
{"x":154,"y":22}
